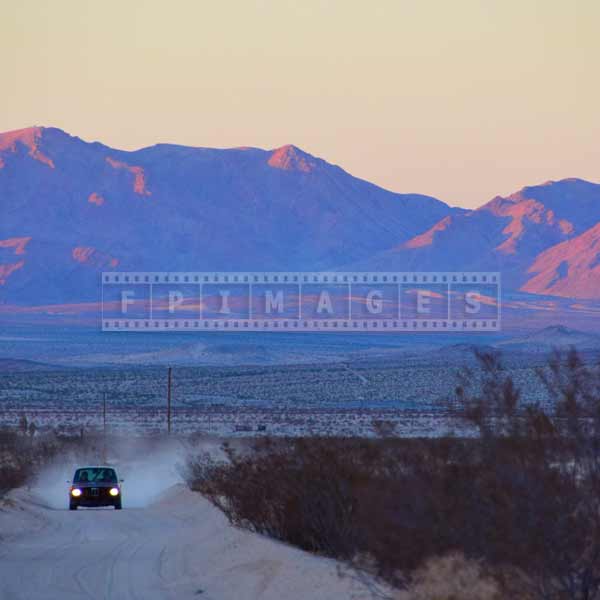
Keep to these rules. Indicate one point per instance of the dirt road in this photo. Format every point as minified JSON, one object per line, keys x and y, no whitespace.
{"x":177,"y":547}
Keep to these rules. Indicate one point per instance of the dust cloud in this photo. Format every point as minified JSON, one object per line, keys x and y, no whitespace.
{"x":148,"y":467}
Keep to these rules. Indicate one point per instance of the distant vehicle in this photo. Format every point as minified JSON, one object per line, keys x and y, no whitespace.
{"x":95,"y":486}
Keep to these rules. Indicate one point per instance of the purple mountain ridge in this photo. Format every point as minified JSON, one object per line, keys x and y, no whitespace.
{"x":514,"y":235}
{"x":71,"y":209}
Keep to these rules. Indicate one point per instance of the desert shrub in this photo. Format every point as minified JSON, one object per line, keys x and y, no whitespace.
{"x":346,"y":498}
{"x":452,"y":577}
{"x":522,"y":499}
{"x":542,"y":473}
{"x":383,"y":427}
{"x":14,"y":460}
{"x":301,"y":492}
{"x":23,"y":452}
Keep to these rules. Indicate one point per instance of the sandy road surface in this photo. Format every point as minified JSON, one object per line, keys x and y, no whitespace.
{"x":179,"y":546}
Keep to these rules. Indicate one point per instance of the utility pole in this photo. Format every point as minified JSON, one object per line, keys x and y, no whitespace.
{"x":104,"y":426}
{"x":104,"y":415}
{"x":169,"y":402}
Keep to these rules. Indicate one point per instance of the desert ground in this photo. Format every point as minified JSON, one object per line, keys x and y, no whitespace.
{"x":167,"y":542}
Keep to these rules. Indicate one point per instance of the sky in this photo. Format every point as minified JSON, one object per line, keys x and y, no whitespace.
{"x":459,"y":99}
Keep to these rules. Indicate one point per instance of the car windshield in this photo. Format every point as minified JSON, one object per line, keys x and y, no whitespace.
{"x":95,"y":475}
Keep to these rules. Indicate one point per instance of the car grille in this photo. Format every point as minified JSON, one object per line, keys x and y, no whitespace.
{"x":94,"y":493}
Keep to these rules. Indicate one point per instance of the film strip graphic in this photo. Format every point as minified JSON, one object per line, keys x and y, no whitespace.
{"x":296,"y":301}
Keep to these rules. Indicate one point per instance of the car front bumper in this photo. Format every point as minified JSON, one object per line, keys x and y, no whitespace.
{"x":95,"y":496}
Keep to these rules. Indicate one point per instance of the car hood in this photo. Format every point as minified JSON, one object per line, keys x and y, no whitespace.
{"x":96,"y":484}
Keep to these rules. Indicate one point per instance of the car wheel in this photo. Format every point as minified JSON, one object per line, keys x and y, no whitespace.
{"x":118,"y":505}
{"x":72,"y":506}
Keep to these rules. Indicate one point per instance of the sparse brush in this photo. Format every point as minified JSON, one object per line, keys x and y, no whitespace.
{"x":23,"y":454}
{"x":523,"y":497}
{"x":452,"y":577}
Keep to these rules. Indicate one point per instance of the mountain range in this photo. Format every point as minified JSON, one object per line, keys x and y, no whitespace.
{"x":544,"y":239}
{"x":70,"y":209}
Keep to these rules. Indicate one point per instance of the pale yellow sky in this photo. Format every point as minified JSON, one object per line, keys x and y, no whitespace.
{"x":461,"y":99}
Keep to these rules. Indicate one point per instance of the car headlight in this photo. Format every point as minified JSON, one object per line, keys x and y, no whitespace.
{"x":76,"y":492}
{"x":114,"y":491}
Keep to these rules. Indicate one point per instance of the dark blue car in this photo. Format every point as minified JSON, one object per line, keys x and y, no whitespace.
{"x":95,"y":486}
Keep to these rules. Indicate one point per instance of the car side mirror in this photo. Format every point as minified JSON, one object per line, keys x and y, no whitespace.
{"x":121,"y":480}
{"x":68,"y":481}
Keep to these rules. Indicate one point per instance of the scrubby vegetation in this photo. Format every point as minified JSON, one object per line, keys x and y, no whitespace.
{"x":328,"y":398}
{"x":24,"y":451}
{"x":452,"y":577}
{"x":520,"y":501}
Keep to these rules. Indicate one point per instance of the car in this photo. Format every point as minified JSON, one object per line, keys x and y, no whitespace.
{"x":95,"y":486}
